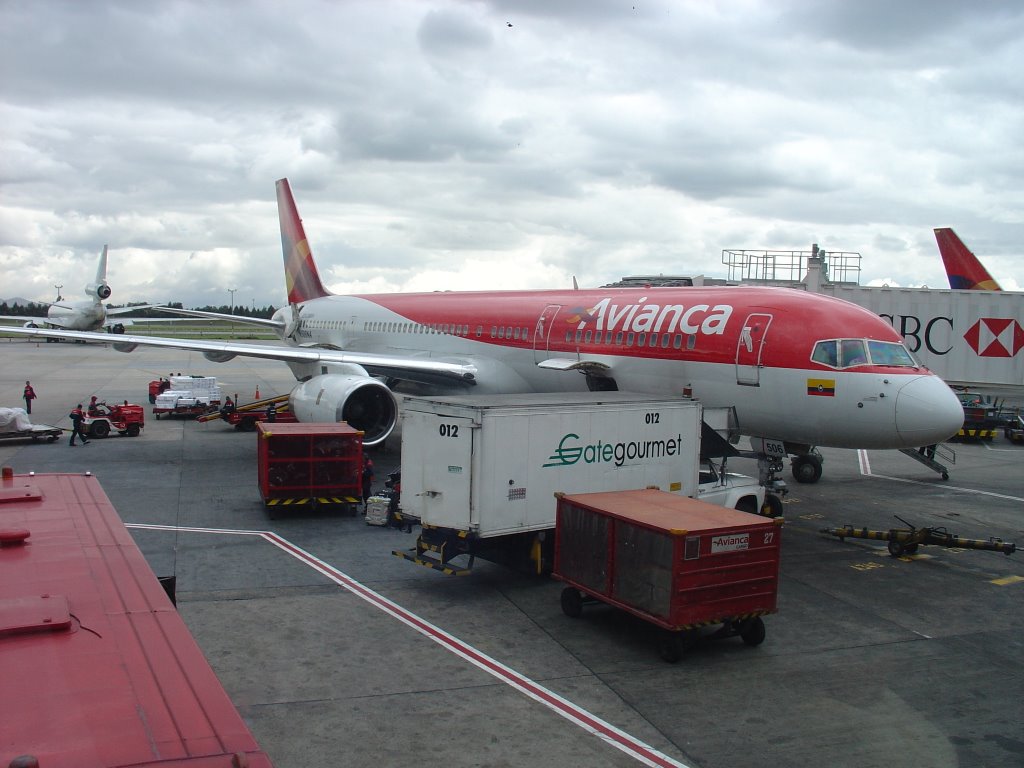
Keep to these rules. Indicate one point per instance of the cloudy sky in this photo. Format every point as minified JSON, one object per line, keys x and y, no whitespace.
{"x":467,"y":145}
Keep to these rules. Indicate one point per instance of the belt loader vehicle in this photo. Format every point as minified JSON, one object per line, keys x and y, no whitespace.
{"x":480,"y":472}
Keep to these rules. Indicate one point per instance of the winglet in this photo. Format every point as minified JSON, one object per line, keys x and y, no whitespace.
{"x":962,"y":267}
{"x":300,"y":273}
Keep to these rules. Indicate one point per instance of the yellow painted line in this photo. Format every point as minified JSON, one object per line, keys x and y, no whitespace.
{"x":1007,"y":580}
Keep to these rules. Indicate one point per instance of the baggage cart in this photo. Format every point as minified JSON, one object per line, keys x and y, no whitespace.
{"x":309,"y":465}
{"x":675,"y":562}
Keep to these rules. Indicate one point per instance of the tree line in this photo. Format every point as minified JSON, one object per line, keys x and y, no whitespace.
{"x":34,"y":309}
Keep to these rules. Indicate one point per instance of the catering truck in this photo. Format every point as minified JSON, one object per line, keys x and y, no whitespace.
{"x":480,"y":472}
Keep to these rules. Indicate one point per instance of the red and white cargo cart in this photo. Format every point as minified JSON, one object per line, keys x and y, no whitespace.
{"x":309,"y":465}
{"x":675,"y":562}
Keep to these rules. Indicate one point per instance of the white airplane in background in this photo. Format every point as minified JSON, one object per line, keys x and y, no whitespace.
{"x":89,"y":315}
{"x":800,"y":369}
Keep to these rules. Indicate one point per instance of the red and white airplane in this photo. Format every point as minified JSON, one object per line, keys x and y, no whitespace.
{"x":801,"y":369}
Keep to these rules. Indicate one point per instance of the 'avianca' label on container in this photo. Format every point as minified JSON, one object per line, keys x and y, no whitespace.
{"x":732,"y":542}
{"x":569,"y":451}
{"x":653,"y":318}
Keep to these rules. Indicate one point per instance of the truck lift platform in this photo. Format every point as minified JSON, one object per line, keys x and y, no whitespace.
{"x":442,"y":543}
{"x":906,"y":541}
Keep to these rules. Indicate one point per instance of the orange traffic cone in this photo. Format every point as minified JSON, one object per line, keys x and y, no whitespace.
{"x":257,"y":395}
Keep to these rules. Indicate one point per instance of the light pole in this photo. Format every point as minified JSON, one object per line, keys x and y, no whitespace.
{"x":58,"y":287}
{"x":232,"y":292}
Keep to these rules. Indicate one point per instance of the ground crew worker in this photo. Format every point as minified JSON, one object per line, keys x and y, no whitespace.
{"x":76,"y":424}
{"x":29,"y":395}
{"x":367,"y":480}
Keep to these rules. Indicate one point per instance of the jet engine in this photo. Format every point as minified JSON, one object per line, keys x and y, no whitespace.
{"x":100,"y":290}
{"x":362,"y":402}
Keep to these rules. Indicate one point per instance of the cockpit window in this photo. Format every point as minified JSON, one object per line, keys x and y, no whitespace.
{"x":825,"y":353}
{"x":890,"y":353}
{"x":853,"y":352}
{"x":847,"y":353}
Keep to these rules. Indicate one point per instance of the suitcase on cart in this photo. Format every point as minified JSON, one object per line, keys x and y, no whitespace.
{"x":377,"y":510}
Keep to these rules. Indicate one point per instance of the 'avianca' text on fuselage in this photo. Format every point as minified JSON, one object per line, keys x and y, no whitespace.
{"x":641,"y":317}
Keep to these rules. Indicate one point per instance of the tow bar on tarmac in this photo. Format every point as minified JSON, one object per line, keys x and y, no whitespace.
{"x":905,"y":541}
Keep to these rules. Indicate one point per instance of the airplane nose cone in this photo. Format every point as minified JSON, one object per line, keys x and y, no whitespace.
{"x":927,"y":412}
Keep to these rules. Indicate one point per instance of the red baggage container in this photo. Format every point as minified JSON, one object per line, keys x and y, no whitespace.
{"x":309,"y":464}
{"x":676,"y":562}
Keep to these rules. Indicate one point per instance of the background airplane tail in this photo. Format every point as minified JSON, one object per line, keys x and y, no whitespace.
{"x":300,"y":273}
{"x":962,"y":267}
{"x":99,"y":290}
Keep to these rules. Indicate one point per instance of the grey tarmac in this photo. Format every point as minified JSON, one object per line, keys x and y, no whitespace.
{"x":870,"y":661}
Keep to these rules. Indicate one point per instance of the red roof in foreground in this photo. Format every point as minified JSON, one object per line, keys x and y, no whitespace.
{"x":97,"y":666}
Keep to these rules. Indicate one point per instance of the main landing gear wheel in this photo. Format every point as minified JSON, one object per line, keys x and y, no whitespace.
{"x":807,"y":469}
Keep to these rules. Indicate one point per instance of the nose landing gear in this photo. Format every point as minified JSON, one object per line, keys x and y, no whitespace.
{"x":775,"y":488}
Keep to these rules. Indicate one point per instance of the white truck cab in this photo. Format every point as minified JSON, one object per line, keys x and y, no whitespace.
{"x":715,"y":485}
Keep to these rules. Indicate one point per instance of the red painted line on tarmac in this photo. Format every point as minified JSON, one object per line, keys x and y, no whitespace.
{"x":591,"y":723}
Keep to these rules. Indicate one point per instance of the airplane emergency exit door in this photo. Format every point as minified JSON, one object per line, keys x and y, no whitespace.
{"x":749,"y":349}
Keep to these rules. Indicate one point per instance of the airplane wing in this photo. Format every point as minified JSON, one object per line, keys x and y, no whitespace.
{"x":23,"y":318}
{"x":426,"y":370}
{"x":125,"y":310}
{"x":258,"y":321}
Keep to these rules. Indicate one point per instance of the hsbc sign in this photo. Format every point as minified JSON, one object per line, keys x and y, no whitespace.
{"x":996,"y":337}
{"x":966,"y":337}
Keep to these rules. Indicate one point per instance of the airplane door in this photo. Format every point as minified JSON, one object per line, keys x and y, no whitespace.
{"x":542,"y":333}
{"x":749,"y":349}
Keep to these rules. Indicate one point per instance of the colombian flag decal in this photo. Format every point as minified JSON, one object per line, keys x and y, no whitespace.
{"x":821,"y":387}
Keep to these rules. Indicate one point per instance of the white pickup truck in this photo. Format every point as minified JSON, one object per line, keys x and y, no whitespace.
{"x":729,"y":489}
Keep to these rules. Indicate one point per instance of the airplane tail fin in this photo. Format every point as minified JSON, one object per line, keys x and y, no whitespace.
{"x":962,"y":267}
{"x":99,"y":289}
{"x":101,"y":268}
{"x":301,"y":276}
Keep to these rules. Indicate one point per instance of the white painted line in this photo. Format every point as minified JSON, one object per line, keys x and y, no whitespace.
{"x":865,"y":469}
{"x":604,"y":730}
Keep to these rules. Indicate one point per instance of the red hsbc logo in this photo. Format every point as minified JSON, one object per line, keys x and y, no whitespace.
{"x":996,"y":337}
